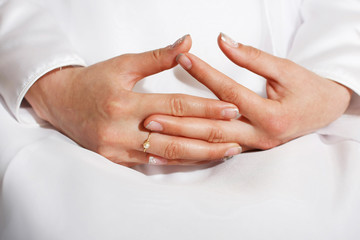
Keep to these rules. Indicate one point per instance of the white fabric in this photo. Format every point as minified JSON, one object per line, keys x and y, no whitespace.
{"x":51,"y":188}
{"x":32,"y":45}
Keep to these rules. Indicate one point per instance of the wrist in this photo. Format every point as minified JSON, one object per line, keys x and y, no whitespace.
{"x":50,"y":90}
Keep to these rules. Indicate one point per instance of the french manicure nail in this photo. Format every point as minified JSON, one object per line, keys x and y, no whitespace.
{"x":231,"y":113}
{"x":157,"y":161}
{"x":233,"y":151}
{"x":184,"y":61}
{"x":228,"y":40}
{"x":179,"y":41}
{"x":154,"y":126}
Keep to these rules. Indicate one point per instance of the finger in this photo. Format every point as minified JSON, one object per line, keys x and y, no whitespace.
{"x":178,"y":148}
{"x":157,"y":160}
{"x":168,"y":150}
{"x":253,"y":59}
{"x":213,"y":131}
{"x":135,"y":158}
{"x":185,"y":105}
{"x":141,"y":158}
{"x":248,"y":102}
{"x":151,"y":62}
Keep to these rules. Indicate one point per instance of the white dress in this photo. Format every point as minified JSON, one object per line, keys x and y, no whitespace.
{"x":51,"y":188}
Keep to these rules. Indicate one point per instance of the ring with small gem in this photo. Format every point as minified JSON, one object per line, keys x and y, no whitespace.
{"x":146,"y":143}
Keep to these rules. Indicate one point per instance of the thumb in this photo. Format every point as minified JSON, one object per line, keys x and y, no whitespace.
{"x":155,"y":61}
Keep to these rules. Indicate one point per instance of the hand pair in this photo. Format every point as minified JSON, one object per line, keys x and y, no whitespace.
{"x":96,"y":107}
{"x":299,"y":101}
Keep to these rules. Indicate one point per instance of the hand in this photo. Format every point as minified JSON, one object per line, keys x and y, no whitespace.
{"x":299,"y":101}
{"x":96,"y":107}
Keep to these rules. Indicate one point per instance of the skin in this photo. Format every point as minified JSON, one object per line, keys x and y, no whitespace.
{"x":96,"y":107}
{"x":186,"y":129}
{"x":299,"y":101}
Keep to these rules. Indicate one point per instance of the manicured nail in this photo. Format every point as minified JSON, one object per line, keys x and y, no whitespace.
{"x":184,"y":61}
{"x":233,"y":151}
{"x":154,"y":126}
{"x":226,"y":158}
{"x":157,"y":161}
{"x":231,"y":113}
{"x":179,"y":41}
{"x":228,"y":40}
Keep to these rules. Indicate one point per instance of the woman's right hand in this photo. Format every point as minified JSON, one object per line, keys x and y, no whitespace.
{"x":95,"y":107}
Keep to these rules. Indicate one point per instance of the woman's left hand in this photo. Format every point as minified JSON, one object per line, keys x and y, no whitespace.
{"x":299,"y":101}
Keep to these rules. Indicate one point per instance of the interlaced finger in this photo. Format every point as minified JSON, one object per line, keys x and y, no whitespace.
{"x":210,"y":130}
{"x":248,"y":102}
{"x":186,"y":105}
{"x":179,"y":148}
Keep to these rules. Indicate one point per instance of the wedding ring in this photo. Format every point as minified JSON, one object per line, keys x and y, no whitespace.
{"x":146,"y":143}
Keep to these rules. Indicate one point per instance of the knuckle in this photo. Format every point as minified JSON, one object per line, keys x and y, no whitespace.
{"x":216,"y":135}
{"x":177,"y":106}
{"x":277,"y":124}
{"x":209,"y":110}
{"x":156,"y":55}
{"x":114,"y":107}
{"x":173,"y":150}
{"x":231,"y":95}
{"x":252,"y":53}
{"x":106,"y":139}
{"x":104,"y":134}
{"x":111,"y":108}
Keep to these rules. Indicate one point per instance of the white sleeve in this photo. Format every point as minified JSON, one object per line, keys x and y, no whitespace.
{"x":328,"y":40}
{"x":31,"y":44}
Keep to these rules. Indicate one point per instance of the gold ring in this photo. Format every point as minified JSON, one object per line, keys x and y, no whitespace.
{"x":146,"y":143}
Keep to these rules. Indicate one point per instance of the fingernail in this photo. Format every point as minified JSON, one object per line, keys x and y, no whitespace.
{"x":228,"y":40}
{"x":157,"y":161}
{"x":226,"y":158}
{"x":231,"y":113}
{"x":154,"y":126}
{"x":233,"y":151}
{"x":184,"y":61}
{"x":179,"y":41}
